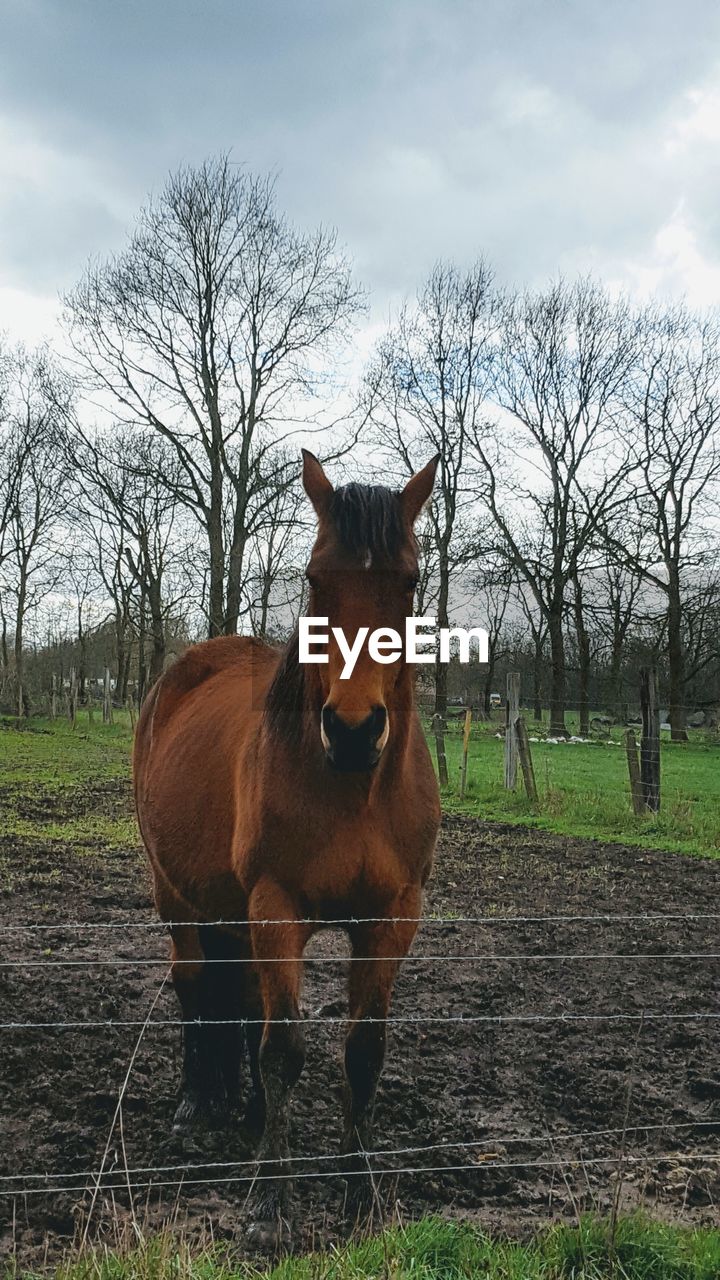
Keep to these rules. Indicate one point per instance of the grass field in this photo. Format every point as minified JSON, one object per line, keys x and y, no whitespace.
{"x":583,"y":787}
{"x":435,"y":1249}
{"x":50,"y":774}
{"x":584,"y":790}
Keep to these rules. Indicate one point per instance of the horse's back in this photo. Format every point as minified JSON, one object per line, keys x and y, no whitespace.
{"x":194,"y":737}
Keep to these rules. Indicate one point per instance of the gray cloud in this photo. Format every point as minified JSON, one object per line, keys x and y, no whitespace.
{"x":536,"y":133}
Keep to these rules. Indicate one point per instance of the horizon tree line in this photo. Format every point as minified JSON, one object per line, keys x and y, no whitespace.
{"x":149,"y":481}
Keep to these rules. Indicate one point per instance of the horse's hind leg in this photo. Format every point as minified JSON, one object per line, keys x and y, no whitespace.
{"x":252,"y":1011}
{"x":227,"y":959}
{"x":207,"y":984}
{"x":379,"y":948}
{"x":187,"y":969}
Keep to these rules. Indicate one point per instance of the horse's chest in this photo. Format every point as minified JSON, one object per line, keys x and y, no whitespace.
{"x":354,"y":866}
{"x":369,"y":862}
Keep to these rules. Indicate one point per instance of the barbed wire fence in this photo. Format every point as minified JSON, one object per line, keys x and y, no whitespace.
{"x":476,"y":1154}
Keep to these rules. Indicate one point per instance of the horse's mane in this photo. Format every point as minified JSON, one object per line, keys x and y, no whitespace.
{"x":368,"y":521}
{"x":285,"y":697}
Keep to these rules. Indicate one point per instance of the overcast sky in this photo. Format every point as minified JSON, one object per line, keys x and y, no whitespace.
{"x":547,"y":134}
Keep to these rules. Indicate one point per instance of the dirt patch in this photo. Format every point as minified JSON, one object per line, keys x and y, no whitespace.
{"x":486,"y":1083}
{"x":107,"y":799}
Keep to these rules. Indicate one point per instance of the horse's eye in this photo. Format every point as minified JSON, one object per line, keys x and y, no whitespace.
{"x":412,"y":582}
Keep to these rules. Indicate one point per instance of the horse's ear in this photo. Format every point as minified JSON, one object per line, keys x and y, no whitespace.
{"x":418,"y":490}
{"x":315,"y":483}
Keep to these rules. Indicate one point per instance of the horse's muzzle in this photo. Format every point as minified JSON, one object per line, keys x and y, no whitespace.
{"x":354,"y":749}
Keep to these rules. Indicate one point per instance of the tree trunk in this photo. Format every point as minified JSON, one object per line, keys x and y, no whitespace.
{"x":22,"y":703}
{"x":142,"y":657}
{"x":157,"y":627}
{"x":4,"y":655}
{"x":125,"y":672}
{"x":216,"y":592}
{"x":489,"y":679}
{"x":236,"y":560}
{"x":121,"y":671}
{"x":616,"y":707}
{"x":676,"y":661}
{"x":441,"y":671}
{"x":583,"y":644}
{"x":82,"y":666}
{"x":537,"y":680}
{"x":557,"y":663}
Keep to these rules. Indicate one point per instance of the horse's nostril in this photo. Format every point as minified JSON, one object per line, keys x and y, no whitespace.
{"x":354,"y":747}
{"x":379,"y":719}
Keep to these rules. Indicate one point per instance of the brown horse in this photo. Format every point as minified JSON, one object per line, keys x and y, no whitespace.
{"x":275,"y":793}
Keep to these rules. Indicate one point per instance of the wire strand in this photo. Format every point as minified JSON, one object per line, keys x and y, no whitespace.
{"x":484,"y":1165}
{"x":472,"y":1143}
{"x":468,"y":1019}
{"x":453,"y":958}
{"x":336,"y":922}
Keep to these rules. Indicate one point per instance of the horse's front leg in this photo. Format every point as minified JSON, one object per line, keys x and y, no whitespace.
{"x":278,"y":950}
{"x":377,"y":950}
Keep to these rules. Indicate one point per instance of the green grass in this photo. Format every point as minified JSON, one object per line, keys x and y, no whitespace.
{"x":67,"y":785}
{"x":583,"y":790}
{"x":51,"y":753}
{"x":57,"y":785}
{"x":435,"y":1249}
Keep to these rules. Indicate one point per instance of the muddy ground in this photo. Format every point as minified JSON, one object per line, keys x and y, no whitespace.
{"x":446,"y":1083}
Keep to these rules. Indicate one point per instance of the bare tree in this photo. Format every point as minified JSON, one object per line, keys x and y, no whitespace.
{"x":701,"y":612}
{"x":617,"y":605}
{"x":494,"y":590}
{"x":275,"y":584}
{"x":82,"y":580}
{"x":537,"y":625}
{"x":207,"y":329}
{"x":550,"y":465}
{"x":424,"y":393}
{"x":129,"y":482}
{"x":675,"y":403}
{"x":8,"y":462}
{"x":35,"y":498}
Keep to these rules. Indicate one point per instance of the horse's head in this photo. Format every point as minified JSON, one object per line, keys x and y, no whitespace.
{"x":362,"y":573}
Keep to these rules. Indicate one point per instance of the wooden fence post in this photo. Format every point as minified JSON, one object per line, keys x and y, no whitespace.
{"x":466,"y":746}
{"x":131,"y":709}
{"x":90,"y":709}
{"x":438,"y":727}
{"x":512,"y":709}
{"x":633,"y":771}
{"x":650,"y":741}
{"x":523,"y":744}
{"x":53,"y":697}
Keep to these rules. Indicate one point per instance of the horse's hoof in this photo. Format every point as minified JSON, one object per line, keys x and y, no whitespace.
{"x":197,"y":1111}
{"x":186,"y":1112}
{"x":270,"y":1235}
